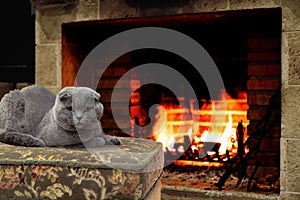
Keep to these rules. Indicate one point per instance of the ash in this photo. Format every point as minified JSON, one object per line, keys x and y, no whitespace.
{"x":206,"y":177}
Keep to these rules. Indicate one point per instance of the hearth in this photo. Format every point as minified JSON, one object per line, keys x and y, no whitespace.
{"x":245,"y":45}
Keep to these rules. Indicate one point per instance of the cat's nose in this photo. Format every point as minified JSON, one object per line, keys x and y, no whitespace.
{"x":79,"y":118}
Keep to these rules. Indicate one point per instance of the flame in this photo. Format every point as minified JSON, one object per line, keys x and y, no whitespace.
{"x":173,"y":123}
{"x":225,"y":139}
{"x":163,"y":138}
{"x":171,"y":143}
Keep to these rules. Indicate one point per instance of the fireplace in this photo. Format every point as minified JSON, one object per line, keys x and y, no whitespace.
{"x":245,"y":45}
{"x":266,"y":61}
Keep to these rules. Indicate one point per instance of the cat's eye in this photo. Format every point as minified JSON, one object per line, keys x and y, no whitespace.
{"x":70,"y":108}
{"x":87,"y":109}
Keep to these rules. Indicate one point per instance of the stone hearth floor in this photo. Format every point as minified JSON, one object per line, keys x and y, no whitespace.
{"x":202,"y":179}
{"x":183,"y":193}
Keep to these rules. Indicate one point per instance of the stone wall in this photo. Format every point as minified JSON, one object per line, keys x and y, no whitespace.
{"x":290,"y":131}
{"x":48,"y":56}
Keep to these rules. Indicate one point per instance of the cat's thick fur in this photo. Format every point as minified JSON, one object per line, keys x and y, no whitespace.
{"x":34,"y":116}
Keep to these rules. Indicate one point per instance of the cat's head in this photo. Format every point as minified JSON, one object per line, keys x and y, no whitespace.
{"x":78,"y":108}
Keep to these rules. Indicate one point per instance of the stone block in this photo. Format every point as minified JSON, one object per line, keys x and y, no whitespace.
{"x":291,"y":15}
{"x":209,"y":5}
{"x":293,"y":48}
{"x":283,"y":157}
{"x":46,"y":65}
{"x":48,"y":27}
{"x":87,"y":10}
{"x":284,"y":59}
{"x":59,"y":65}
{"x":160,"y":11}
{"x":292,"y":165}
{"x":53,"y":5}
{"x":251,"y":4}
{"x":289,"y":196}
{"x":290,"y":115}
{"x":117,"y":9}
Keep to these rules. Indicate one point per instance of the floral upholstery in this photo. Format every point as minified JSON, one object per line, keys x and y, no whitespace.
{"x":126,"y":172}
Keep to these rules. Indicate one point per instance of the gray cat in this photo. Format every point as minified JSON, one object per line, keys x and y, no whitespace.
{"x":34,"y":116}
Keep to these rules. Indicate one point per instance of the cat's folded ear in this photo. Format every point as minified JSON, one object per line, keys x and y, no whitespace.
{"x":65,"y":93}
{"x":96,"y":96}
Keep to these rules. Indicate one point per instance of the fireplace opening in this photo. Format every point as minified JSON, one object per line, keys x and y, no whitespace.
{"x":245,"y":45}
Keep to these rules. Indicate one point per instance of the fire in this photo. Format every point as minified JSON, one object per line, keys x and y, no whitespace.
{"x":207,"y":132}
{"x":227,"y":139}
{"x":216,"y":139}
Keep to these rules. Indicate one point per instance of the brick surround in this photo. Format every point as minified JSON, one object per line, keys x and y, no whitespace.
{"x":282,"y":69}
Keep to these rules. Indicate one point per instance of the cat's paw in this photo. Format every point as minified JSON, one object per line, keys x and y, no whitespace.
{"x":37,"y":143}
{"x":95,"y":142}
{"x":30,"y":141}
{"x":20,"y":139}
{"x":115,"y":140}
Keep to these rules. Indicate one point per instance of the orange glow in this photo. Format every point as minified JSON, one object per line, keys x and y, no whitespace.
{"x":197,"y":163}
{"x":173,"y":123}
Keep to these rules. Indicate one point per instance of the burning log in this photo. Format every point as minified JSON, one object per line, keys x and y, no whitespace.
{"x":210,"y":147}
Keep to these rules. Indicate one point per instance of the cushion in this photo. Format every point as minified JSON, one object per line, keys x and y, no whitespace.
{"x":128,"y":171}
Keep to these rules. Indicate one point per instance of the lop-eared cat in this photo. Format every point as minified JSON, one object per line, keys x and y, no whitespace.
{"x":34,"y":116}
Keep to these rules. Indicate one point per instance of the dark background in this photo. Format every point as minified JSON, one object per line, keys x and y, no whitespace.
{"x":17,"y":41}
